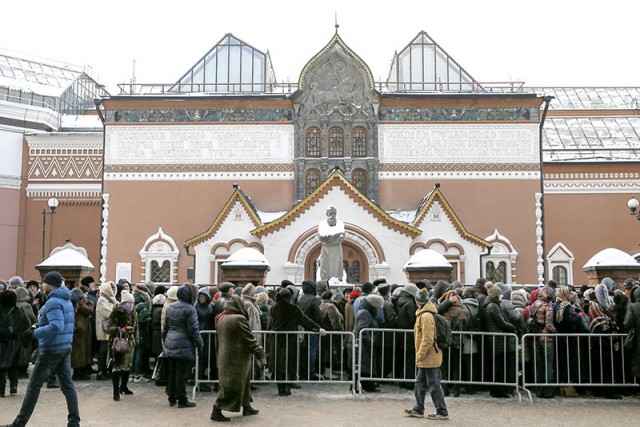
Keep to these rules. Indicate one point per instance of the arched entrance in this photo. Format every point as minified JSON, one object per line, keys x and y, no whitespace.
{"x":355,"y":263}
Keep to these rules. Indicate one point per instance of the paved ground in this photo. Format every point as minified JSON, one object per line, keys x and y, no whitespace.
{"x":317,"y":405}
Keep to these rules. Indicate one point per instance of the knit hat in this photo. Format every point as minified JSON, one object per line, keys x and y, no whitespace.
{"x":375,"y":300}
{"x":237,"y":291}
{"x":172,"y":293}
{"x":410,"y":288}
{"x":76,"y":294}
{"x":126,"y":296}
{"x":86,"y":281}
{"x":283,"y":295}
{"x":493,"y":291}
{"x":422,"y":296}
{"x":16,"y":281}
{"x":327,"y":295}
{"x":602,"y":296}
{"x":225,"y":286}
{"x":248,"y":290}
{"x":23,"y":294}
{"x":53,"y":278}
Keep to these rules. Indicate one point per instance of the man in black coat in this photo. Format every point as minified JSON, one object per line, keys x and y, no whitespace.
{"x":310,"y":306}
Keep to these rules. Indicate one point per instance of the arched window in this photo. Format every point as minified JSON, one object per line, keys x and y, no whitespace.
{"x":336,"y":142}
{"x":312,"y":181}
{"x":359,"y":180}
{"x":159,"y":256}
{"x":313,"y":142}
{"x":560,"y":275}
{"x":359,"y":142}
{"x":496,"y":274}
{"x":161,"y":274}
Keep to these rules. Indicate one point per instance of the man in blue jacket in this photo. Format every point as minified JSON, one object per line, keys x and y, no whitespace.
{"x":54,"y":332}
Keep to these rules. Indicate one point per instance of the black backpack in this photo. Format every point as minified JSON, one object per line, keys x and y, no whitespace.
{"x":444,"y":337}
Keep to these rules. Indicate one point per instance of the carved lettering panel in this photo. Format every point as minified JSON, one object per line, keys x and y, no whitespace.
{"x":464,"y":143}
{"x":199,"y":144}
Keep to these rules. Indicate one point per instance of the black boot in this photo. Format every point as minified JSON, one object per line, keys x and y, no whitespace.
{"x":216,"y":415}
{"x":125,"y":381}
{"x":287,"y":390}
{"x":280,"y":389}
{"x":248,"y":410}
{"x":115,"y":379}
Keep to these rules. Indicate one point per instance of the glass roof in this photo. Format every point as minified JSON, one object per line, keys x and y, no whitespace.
{"x":231,"y":66}
{"x":424,"y":66}
{"x":580,"y":98}
{"x":591,"y":138}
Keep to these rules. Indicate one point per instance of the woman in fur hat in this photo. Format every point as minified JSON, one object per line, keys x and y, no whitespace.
{"x":81,"y":355}
{"x":123,"y":323}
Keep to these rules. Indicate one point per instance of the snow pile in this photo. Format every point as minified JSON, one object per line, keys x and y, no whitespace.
{"x":427,"y":258}
{"x":247,"y":257}
{"x":611,"y":257}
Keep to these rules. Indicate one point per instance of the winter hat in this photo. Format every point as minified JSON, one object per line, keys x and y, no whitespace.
{"x":53,"y":278}
{"x":142,"y":288}
{"x":205,"y":291}
{"x":609,"y":283}
{"x":422,"y":296}
{"x":375,"y":300}
{"x":309,"y":287}
{"x":456,"y":285}
{"x":327,"y":295}
{"x":262,"y":298}
{"x":355,"y":294}
{"x":493,"y":291}
{"x":160,"y":290}
{"x":225,"y":286}
{"x":86,"y":281}
{"x":76,"y":294}
{"x":628,"y":284}
{"x":261,"y":290}
{"x":159,"y":299}
{"x":411,"y":289}
{"x":506,"y":290}
{"x":285,"y":283}
{"x":172,"y":293}
{"x":248,"y":290}
{"x":480,"y":286}
{"x":284,"y":295}
{"x":16,"y":282}
{"x":321,"y":286}
{"x":468,"y":292}
{"x":519,"y":298}
{"x":602,"y":296}
{"x":367,"y":287}
{"x":23,"y":294}
{"x":126,"y":296}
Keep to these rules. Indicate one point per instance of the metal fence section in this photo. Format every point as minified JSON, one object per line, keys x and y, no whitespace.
{"x":292,"y":357}
{"x":474,"y":358}
{"x":576,"y":360}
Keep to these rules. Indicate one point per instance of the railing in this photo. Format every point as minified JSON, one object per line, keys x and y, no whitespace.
{"x":502,"y":362}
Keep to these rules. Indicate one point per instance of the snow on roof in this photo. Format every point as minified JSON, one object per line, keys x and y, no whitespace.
{"x":67,"y":257}
{"x":36,"y":76}
{"x":267,"y":217}
{"x":591,"y":98}
{"x":81,"y":122}
{"x":247,"y":256}
{"x":611,"y":257}
{"x":427,"y":258}
{"x":404,"y":216}
{"x":592,"y":138}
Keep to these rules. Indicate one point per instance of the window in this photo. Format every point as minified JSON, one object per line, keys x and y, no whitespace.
{"x":359,"y":142}
{"x":500,"y":264}
{"x":560,"y":275}
{"x":353,"y":272}
{"x":359,"y":180}
{"x":336,"y":143}
{"x":313,"y":142}
{"x":159,"y":256}
{"x":160,"y":274}
{"x":312,"y":181}
{"x":496,"y":274}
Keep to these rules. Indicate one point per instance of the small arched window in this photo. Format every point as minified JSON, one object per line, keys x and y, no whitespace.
{"x":313,"y":142}
{"x":336,"y":142}
{"x":359,"y":142}
{"x":359,"y":180}
{"x":560,"y":275}
{"x":161,"y":273}
{"x":496,"y":274}
{"x":312,"y":181}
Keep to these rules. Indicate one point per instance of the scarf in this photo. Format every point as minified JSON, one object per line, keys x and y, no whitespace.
{"x":564,"y":297}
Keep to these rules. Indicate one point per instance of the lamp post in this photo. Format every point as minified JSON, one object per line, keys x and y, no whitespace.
{"x":53,"y":204}
{"x":633,"y":204}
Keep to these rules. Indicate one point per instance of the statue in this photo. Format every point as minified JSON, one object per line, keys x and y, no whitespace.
{"x":331,"y":234}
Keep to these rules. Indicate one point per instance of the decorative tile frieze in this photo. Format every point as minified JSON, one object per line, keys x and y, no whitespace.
{"x":231,"y":115}
{"x":597,"y":175}
{"x":202,"y":168}
{"x":62,"y":166}
{"x":65,"y":190}
{"x":198,"y":176}
{"x":459,"y":143}
{"x":458,"y":114}
{"x":519,"y":175}
{"x":462,"y":167}
{"x":591,"y":186}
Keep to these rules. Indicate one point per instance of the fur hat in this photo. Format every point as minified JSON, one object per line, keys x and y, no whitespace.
{"x":16,"y":282}
{"x":53,"y":278}
{"x":519,"y":298}
{"x":422,"y":296}
{"x":141,"y":287}
{"x":261,"y":290}
{"x":86,"y":281}
{"x":327,"y":295}
{"x":225,"y":286}
{"x":375,"y":300}
{"x":602,"y":295}
{"x":23,"y":294}
{"x":159,"y":299}
{"x":493,"y":291}
{"x":127,"y":296}
{"x":248,"y":290}
{"x":262,"y":298}
{"x":411,"y":289}
{"x":76,"y":294}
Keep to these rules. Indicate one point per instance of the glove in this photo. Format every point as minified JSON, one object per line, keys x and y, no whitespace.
{"x":322,"y":332}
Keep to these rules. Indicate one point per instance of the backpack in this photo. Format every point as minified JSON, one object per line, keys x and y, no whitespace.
{"x":444,"y":337}
{"x":474,"y":324}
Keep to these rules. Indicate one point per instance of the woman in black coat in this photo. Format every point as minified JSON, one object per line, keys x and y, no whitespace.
{"x":632,"y":320}
{"x":13,"y":323}
{"x":181,"y":336}
{"x":282,"y":356}
{"x":370,"y":341}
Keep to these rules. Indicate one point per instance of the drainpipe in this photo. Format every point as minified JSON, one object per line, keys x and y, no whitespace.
{"x":482,"y":261}
{"x":98,"y":103}
{"x":186,"y":248}
{"x":547,"y":99}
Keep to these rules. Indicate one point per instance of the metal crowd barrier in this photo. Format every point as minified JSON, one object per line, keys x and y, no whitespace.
{"x":576,"y":360}
{"x":290,"y":359}
{"x":475,"y":358}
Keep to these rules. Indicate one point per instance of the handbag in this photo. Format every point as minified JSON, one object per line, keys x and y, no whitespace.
{"x":630,"y":339}
{"x":120,"y":344}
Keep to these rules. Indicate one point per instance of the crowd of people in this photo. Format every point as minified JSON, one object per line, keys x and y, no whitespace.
{"x":132,"y":329}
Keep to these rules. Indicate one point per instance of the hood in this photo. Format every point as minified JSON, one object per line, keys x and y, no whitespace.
{"x":8,"y":299}
{"x":547,"y":294}
{"x":236,"y":306}
{"x":440,"y":288}
{"x":429,"y":306}
{"x":185,"y":294}
{"x":506,"y":290}
{"x":519,"y":298}
{"x":205,"y":291}
{"x":62,"y":292}
{"x":602,"y":296}
{"x":283,"y":296}
{"x":108,"y":289}
{"x":309,"y":287}
{"x":159,"y":299}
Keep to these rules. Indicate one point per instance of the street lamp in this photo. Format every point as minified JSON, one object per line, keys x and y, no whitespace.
{"x":53,"y":204}
{"x":633,"y":204}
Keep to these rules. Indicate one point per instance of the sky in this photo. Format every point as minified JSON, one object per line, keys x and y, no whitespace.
{"x":541,"y":43}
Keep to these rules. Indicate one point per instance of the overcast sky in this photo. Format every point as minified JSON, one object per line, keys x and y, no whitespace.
{"x":541,"y":43}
